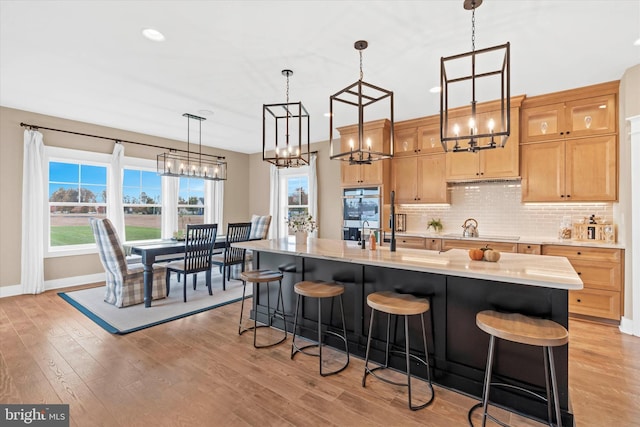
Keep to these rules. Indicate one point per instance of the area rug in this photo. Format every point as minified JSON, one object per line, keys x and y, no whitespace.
{"x":134,"y":318}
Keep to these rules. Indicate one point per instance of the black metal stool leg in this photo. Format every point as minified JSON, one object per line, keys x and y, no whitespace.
{"x":366,"y":357}
{"x":244,"y":289}
{"x":554,"y":385}
{"x":295,"y":324}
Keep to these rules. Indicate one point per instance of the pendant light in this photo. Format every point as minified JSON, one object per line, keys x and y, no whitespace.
{"x":286,"y":143}
{"x":484,"y":72}
{"x":361,"y":95}
{"x":188,"y":164}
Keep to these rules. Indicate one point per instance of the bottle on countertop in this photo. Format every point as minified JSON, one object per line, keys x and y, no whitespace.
{"x":591,"y":230}
{"x":372,"y":241}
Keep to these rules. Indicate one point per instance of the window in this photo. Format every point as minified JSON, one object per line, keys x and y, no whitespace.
{"x":77,"y":192}
{"x":141,"y":197}
{"x":190,"y":202}
{"x":297,"y":189}
{"x":294,"y":195}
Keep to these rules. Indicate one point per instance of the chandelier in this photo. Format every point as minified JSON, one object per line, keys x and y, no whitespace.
{"x":188,"y":164}
{"x":288,"y":138}
{"x":483,"y":72}
{"x":361,"y":95}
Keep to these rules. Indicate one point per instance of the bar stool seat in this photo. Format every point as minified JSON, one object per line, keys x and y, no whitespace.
{"x":528,"y":330}
{"x":394,"y":303}
{"x":320,"y":291}
{"x":258,"y":277}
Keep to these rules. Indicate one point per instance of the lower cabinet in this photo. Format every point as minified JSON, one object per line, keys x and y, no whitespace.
{"x":601,"y":271}
{"x":410,"y":242}
{"x":473,"y":244}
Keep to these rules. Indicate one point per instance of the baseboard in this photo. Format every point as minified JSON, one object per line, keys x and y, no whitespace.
{"x":627,"y":326}
{"x":67,"y":282}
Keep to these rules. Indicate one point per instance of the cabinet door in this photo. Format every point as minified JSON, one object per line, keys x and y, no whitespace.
{"x":350,"y":174}
{"x":462,"y":166}
{"x":405,"y":142}
{"x":503,"y":162}
{"x":433,"y":244}
{"x":542,"y":123}
{"x":542,"y":169}
{"x":405,"y":179}
{"x":432,"y":185}
{"x":526,"y":248}
{"x":591,"y":116}
{"x":429,"y":139}
{"x":592,"y":168}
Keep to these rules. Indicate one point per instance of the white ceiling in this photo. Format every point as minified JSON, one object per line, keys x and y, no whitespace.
{"x":87,"y":60}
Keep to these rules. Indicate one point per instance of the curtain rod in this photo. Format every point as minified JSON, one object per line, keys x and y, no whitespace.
{"x":36,"y":127}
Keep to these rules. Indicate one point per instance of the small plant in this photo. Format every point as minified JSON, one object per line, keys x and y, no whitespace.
{"x":302,"y":223}
{"x":436,"y":224}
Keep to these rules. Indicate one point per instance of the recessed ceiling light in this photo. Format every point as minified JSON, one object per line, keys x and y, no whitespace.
{"x":435,"y":89}
{"x":153,"y":34}
{"x":637,"y":42}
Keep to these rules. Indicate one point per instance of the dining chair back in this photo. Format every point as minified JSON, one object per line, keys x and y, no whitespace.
{"x":199,"y":243}
{"x":124,"y":282}
{"x":236,"y":232}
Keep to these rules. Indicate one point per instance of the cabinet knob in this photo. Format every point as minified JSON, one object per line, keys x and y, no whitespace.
{"x":568,"y":195}
{"x":568,"y":132}
{"x":528,"y":246}
{"x":562,"y":195}
{"x":579,"y":253}
{"x":561,"y":133}
{"x":579,"y":300}
{"x":579,"y":273}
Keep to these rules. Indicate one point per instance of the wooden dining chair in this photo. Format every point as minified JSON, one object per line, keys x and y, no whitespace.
{"x":197,"y":255}
{"x":236,"y":232}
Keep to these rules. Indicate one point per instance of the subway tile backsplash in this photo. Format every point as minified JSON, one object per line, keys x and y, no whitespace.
{"x":498,"y":209}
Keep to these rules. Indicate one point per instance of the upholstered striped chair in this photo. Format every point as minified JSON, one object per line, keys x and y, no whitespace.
{"x":259,"y":227}
{"x":125,"y":283}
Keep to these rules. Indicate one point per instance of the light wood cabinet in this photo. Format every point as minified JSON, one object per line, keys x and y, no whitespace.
{"x":429,"y":137}
{"x":474,"y":244}
{"x":572,"y":119}
{"x":569,"y":148}
{"x":582,"y":169}
{"x":377,"y":173}
{"x":405,"y":141}
{"x":531,"y":249}
{"x":601,"y":271}
{"x":420,"y":179}
{"x":497,"y":163}
{"x":412,"y":242}
{"x":433,"y":244}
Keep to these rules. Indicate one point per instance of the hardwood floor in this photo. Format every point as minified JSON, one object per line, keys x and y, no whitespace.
{"x":197,"y":371}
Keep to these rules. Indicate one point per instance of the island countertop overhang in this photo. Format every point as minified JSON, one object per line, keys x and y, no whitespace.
{"x":534,"y":270}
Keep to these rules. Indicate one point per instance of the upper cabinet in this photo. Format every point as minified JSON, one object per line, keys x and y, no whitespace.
{"x":377,"y":173}
{"x":570,"y":146}
{"x":497,"y":163}
{"x":418,"y":165}
{"x":571,"y":119}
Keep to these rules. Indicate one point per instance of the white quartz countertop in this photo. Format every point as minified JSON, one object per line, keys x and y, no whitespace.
{"x":534,"y":270}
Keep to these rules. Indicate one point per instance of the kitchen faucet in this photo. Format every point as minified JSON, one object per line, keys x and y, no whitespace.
{"x":363,"y":239}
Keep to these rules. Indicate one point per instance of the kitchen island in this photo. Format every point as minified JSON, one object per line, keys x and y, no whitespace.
{"x":457,"y":288}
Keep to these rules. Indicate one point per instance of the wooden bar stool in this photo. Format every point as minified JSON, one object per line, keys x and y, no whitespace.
{"x":258,"y":277}
{"x":525,"y":330}
{"x":320,"y":291}
{"x":399,"y":305}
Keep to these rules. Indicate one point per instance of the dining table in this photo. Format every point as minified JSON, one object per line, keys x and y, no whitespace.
{"x":150,"y":251}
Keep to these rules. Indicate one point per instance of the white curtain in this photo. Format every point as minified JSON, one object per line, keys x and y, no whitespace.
{"x":170,"y":189}
{"x":274,"y":205}
{"x":313,"y":190}
{"x":213,"y":203}
{"x":33,"y":214}
{"x":115,"y":207}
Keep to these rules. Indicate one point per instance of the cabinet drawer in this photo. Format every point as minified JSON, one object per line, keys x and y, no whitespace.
{"x":433,"y":244}
{"x":580,"y":252}
{"x":472,"y":244}
{"x":410,"y":242}
{"x":599,"y":275}
{"x":597,"y":303}
{"x":524,"y":248}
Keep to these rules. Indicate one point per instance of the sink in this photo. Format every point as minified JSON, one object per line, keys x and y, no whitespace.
{"x":482,"y":237}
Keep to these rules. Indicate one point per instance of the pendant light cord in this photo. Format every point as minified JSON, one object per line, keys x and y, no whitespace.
{"x":361,"y":73}
{"x":473,"y":28}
